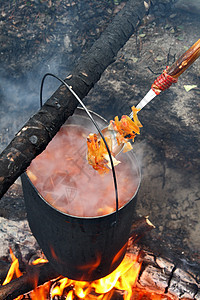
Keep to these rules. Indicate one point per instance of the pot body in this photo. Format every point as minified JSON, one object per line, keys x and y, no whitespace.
{"x":80,"y":248}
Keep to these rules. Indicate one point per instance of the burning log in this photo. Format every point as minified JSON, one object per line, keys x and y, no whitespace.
{"x":32,"y":139}
{"x":159,"y":278}
{"x":35,"y":275}
{"x":4,"y":267}
{"x":163,"y":276}
{"x":39,"y":274}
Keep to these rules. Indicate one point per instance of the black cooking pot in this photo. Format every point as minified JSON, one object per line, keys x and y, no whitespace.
{"x":80,"y":248}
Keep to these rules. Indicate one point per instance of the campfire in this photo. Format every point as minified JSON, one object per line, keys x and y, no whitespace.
{"x":140,"y":276}
{"x":122,"y":283}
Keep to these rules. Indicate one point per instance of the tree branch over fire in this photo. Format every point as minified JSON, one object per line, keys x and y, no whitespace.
{"x":35,"y":135}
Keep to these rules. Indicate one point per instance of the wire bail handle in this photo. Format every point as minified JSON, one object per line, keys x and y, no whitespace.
{"x":97,"y":127}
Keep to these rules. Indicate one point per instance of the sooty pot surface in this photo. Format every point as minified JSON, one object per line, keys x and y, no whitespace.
{"x":80,"y":248}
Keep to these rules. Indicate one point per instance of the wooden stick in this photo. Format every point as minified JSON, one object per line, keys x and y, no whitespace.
{"x":163,"y":82}
{"x":185,"y":60}
{"x":140,"y":227}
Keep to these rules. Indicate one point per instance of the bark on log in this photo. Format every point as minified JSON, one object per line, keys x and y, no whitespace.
{"x":33,"y":138}
{"x":4,"y":267}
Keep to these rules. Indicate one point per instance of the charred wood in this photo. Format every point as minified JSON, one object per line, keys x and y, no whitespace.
{"x":4,"y":267}
{"x":183,"y":285}
{"x":158,"y":276}
{"x":139,"y":228}
{"x":39,"y":273}
{"x":33,"y":138}
{"x":166,"y":277}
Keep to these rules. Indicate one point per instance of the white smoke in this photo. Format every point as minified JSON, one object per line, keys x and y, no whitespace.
{"x":68,"y":182}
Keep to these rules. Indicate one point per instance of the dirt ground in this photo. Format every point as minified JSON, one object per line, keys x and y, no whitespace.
{"x":167,"y":148}
{"x":168,"y":145}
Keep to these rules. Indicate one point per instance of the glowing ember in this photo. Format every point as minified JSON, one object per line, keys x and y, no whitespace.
{"x":39,"y":261}
{"x":64,"y":178}
{"x":40,"y":293}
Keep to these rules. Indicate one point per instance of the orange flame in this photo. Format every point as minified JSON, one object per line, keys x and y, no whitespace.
{"x":14,"y":271}
{"x":90,"y":267}
{"x":119,"y":254}
{"x":123,"y":278}
{"x":41,"y":292}
{"x":39,"y":260}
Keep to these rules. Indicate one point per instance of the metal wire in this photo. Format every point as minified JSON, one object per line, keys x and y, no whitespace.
{"x":95,"y":124}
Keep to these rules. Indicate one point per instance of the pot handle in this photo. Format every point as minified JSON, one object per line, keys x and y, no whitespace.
{"x":97,"y":127}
